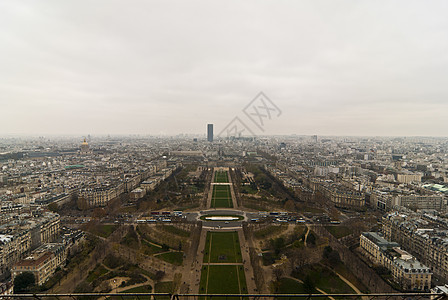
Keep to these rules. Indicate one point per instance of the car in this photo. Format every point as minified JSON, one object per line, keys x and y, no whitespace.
{"x":226,"y":222}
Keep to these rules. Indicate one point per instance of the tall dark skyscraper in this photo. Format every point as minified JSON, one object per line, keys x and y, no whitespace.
{"x":210,"y":132}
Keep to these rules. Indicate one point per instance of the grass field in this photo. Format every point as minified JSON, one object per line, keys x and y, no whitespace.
{"x":219,"y":277}
{"x":96,"y":273}
{"x":139,"y":289}
{"x":221,"y":197}
{"x":103,"y":230}
{"x":222,"y":247}
{"x":270,"y":230}
{"x":223,"y":279}
{"x":221,"y":177}
{"x":164,"y":287}
{"x":339,"y":231}
{"x":290,"y":286}
{"x":175,"y":258}
{"x":247,"y":189}
{"x":150,"y":249}
{"x":325,"y":279}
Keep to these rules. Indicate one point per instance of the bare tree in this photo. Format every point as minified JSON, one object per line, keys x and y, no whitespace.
{"x":278,"y":273}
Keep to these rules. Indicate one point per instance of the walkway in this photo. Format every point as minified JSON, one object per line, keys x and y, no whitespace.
{"x":192,"y":271}
{"x":318,"y":289}
{"x":306,"y":234}
{"x":351,"y":285}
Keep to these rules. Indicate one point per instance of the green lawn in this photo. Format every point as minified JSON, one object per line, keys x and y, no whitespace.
{"x":96,"y":273}
{"x":139,"y":289}
{"x":247,"y":189}
{"x":290,"y":286}
{"x":164,"y":287}
{"x":103,"y":230}
{"x":221,"y":177}
{"x":222,"y":247}
{"x":147,"y":273}
{"x":344,"y":271}
{"x":221,"y":197}
{"x":270,"y":230}
{"x":223,"y":279}
{"x":150,"y":249}
{"x":175,"y":258}
{"x":325,"y":279}
{"x":339,"y":231}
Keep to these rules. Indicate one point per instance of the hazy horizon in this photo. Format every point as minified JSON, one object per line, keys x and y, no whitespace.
{"x":81,"y":136}
{"x":345,"y":68}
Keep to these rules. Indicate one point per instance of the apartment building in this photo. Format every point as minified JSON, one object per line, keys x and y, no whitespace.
{"x":421,"y":202}
{"x":381,"y":200}
{"x":44,"y":228}
{"x":421,"y":237}
{"x":406,"y":270}
{"x":409,"y":177}
{"x":12,"y":248}
{"x":41,"y":265}
{"x":99,"y":196}
{"x":342,"y":196}
{"x":42,"y":262}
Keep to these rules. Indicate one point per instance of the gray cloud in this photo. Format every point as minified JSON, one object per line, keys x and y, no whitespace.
{"x":343,"y":68}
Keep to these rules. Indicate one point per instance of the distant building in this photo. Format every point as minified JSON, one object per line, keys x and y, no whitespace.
{"x":343,"y":196}
{"x":137,"y":193}
{"x":99,"y":196}
{"x":210,"y":132}
{"x":409,"y":177}
{"x":421,"y":202}
{"x":85,"y":149}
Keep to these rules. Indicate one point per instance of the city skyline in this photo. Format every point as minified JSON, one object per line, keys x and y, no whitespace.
{"x":192,"y":211}
{"x":334,"y":69}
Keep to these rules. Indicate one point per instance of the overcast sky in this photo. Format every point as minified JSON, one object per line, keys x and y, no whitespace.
{"x":168,"y":67}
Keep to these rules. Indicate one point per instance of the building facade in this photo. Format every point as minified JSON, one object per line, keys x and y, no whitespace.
{"x":421,"y":238}
{"x":406,"y":270}
{"x":210,"y":132}
{"x":12,"y":248}
{"x":42,"y":262}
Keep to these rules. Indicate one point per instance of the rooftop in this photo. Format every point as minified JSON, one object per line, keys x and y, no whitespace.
{"x":34,"y":260}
